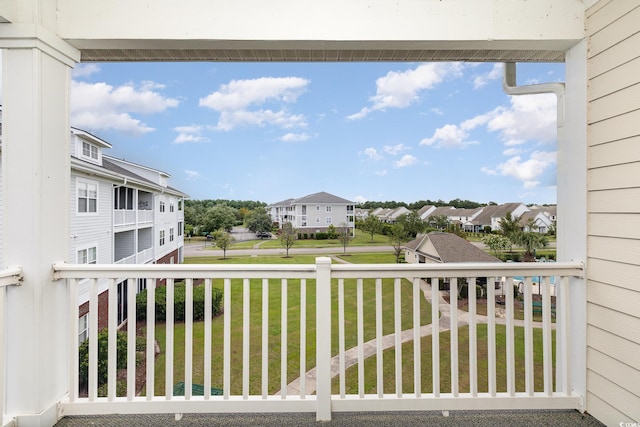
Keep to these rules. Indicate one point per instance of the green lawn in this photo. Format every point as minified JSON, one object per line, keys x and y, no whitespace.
{"x":351,"y":374}
{"x":274,"y":327}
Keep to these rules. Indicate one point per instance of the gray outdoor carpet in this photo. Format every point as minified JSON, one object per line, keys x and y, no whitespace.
{"x":559,"y":418}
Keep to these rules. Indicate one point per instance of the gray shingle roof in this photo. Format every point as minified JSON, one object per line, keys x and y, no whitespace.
{"x":451,"y":248}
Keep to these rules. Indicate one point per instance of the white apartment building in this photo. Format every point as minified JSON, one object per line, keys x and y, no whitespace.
{"x":314,"y":213}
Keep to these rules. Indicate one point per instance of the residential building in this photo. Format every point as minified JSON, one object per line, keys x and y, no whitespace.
{"x":314,"y":213}
{"x":439,"y":247}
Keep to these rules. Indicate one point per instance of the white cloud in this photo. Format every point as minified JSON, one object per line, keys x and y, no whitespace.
{"x":483,"y":79}
{"x":294,"y":137}
{"x":406,"y":160}
{"x":85,"y":70}
{"x":360,"y":199}
{"x":488,"y":171}
{"x":102,"y":106}
{"x":192,"y":175}
{"x":232,"y":119}
{"x":395,"y":149}
{"x":238,"y":102}
{"x":372,"y":154}
{"x":450,"y":136}
{"x":400,"y":89}
{"x":382,"y":172}
{"x":528,"y":171}
{"x":187,"y":134}
{"x":531,"y":117}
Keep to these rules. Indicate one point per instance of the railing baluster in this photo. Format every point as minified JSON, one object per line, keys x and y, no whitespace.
{"x":188,"y":339}
{"x":562,"y":310}
{"x":265,"y":338}
{"x":74,"y":366}
{"x":417,"y":356}
{"x":169,"y":341}
{"x":226,"y":357}
{"x":511,"y":361}
{"x":528,"y":338}
{"x":208,"y":312}
{"x":341,"y":345}
{"x":246,"y":311}
{"x":379,"y":348}
{"x":491,"y":339}
{"x":303,"y":338}
{"x":151,"y":334}
{"x":397,"y":314}
{"x":435,"y":335}
{"x":284,"y":331}
{"x":453,"y":307}
{"x":93,"y":342}
{"x":112,"y":358}
{"x":546,"y":336}
{"x":131,"y":338}
{"x":360,"y":322}
{"x":473,"y":338}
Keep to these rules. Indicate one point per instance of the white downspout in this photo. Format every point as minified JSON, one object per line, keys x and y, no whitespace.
{"x":571,"y":380}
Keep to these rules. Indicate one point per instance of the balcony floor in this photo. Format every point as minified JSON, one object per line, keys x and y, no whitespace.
{"x":560,"y":418}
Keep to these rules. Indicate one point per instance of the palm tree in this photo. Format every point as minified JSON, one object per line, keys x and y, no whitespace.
{"x":530,"y":241}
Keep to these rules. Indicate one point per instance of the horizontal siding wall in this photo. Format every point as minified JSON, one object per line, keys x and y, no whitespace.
{"x":613,"y":176}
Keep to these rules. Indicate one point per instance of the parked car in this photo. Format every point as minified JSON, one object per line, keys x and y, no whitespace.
{"x":263,"y":235}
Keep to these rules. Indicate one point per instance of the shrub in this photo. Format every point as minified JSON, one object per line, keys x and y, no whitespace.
{"x":103,"y":351}
{"x":179,"y":303}
{"x":322,"y":236}
{"x":463,"y":291}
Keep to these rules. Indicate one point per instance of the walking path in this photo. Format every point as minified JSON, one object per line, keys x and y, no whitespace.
{"x":388,"y":341}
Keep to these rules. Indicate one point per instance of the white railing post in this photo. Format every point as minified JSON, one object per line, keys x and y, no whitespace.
{"x":323,"y":338}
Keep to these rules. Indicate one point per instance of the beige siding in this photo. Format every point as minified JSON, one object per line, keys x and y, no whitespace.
{"x":613,"y":177}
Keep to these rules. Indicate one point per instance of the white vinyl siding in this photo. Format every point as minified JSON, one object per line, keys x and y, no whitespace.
{"x":613,"y":175}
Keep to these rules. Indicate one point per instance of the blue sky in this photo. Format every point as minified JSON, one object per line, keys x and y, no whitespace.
{"x":362,"y":131}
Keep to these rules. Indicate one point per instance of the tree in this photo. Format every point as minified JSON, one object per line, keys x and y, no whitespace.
{"x":332,"y":233}
{"x":412,"y":223}
{"x":398,"y":237}
{"x":344,"y":236}
{"x":496,"y":243}
{"x":258,"y":220}
{"x":441,"y":222}
{"x":223,"y":241}
{"x":288,"y":236}
{"x":220,"y":216}
{"x":510,"y":227}
{"x":372,"y":225}
{"x":530,"y":241}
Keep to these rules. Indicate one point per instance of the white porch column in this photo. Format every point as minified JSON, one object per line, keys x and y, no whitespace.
{"x":35,"y":209}
{"x":572,"y":207}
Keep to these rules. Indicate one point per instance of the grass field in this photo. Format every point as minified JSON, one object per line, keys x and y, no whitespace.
{"x":274,"y":327}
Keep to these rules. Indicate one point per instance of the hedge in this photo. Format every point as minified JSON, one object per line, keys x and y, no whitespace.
{"x":179,"y":303}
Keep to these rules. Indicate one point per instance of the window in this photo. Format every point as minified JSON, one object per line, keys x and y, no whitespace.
{"x":317,"y":207}
{"x":327,"y":220}
{"x":318,"y":220}
{"x":89,"y":150}
{"x":171,"y":234}
{"x":180,"y":203}
{"x":123,"y":198}
{"x":161,"y":237}
{"x":88,"y":255}
{"x":87,"y":192}
{"x":83,"y":328}
{"x":328,"y":208}
{"x":171,"y":207}
{"x":161,"y":206}
{"x":180,"y":226}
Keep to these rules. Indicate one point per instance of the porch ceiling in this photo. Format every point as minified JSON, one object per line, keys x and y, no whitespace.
{"x":321,"y":55}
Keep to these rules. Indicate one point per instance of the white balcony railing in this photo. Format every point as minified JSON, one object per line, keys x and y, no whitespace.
{"x":11,"y":276}
{"x":322,"y":338}
{"x":122,"y":217}
{"x":145,"y":216}
{"x":145,"y":255}
{"x":131,"y":259}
